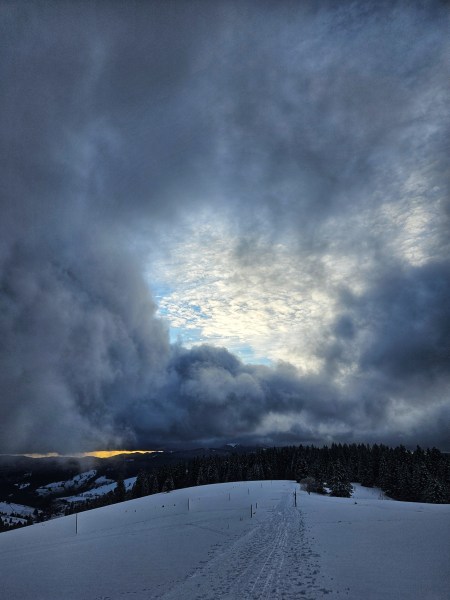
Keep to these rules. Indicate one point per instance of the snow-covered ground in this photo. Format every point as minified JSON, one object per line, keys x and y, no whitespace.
{"x":234,"y":541}
{"x":9,"y":508}
{"x":22,"y":486}
{"x":102,"y":486}
{"x":376,"y":548}
{"x":21,"y":512}
{"x":72,"y":484}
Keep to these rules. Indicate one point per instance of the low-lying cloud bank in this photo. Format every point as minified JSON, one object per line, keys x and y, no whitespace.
{"x":315,"y":134}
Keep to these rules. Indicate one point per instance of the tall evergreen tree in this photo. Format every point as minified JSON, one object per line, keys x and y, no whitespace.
{"x":141,"y":486}
{"x":120,"y":491}
{"x":168,"y":484}
{"x":434,"y":492}
{"x":339,"y":483}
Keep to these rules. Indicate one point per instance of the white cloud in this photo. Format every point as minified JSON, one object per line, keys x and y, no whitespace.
{"x":267,"y":299}
{"x":243,"y":293}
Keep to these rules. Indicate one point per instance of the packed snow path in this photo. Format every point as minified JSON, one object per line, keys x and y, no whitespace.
{"x":273,"y":561}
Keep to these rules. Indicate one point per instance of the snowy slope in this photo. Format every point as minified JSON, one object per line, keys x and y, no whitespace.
{"x":8,"y":508}
{"x":379,"y":548}
{"x":204,"y":543}
{"x":100,"y":490}
{"x":15,"y":514}
{"x":72,"y":484}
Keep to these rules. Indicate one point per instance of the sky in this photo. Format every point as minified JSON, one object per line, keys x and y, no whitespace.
{"x":224,"y":222}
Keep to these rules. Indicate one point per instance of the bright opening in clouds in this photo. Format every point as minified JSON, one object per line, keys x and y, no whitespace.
{"x":224,"y":222}
{"x":244,"y":293}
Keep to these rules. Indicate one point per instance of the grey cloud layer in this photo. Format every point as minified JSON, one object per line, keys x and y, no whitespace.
{"x":322,"y":125}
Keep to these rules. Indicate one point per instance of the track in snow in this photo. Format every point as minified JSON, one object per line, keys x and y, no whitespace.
{"x":274,"y":561}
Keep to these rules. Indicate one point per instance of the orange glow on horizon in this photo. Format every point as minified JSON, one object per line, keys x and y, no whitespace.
{"x":94,"y":453}
{"x":109,"y":453}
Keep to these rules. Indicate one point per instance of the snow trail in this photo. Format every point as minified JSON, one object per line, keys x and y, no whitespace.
{"x":273,"y":561}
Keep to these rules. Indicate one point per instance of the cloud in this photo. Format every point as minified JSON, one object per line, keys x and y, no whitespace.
{"x":410,"y":340}
{"x":241,"y":291}
{"x":277,"y":176}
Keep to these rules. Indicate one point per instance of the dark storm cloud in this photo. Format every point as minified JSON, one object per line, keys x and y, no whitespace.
{"x":78,"y":339}
{"x":118,"y":120}
{"x":323,"y":107}
{"x":411,"y":337}
{"x":77,"y":327}
{"x":403,"y":324}
{"x":209,"y":392}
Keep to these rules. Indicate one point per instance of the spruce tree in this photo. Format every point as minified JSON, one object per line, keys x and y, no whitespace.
{"x":434,"y":492}
{"x":120,"y":491}
{"x":339,"y":483}
{"x":154,"y":484}
{"x":141,"y":486}
{"x":168,"y":485}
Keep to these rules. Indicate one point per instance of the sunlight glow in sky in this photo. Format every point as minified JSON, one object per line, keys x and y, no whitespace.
{"x":268,"y":301}
{"x":248,"y":296}
{"x":95,"y":454}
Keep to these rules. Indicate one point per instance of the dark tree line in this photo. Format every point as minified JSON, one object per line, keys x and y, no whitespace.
{"x":415,"y":476}
{"x":8,"y":522}
{"x":418,"y":476}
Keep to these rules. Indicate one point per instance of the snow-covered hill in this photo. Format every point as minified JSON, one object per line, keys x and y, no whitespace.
{"x":101,"y":486}
{"x":234,"y":541}
{"x":72,"y":484}
{"x":15,"y":514}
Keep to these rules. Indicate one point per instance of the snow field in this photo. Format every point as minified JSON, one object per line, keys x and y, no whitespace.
{"x":380,"y":549}
{"x":145,"y":546}
{"x":101,"y":489}
{"x":8,"y":508}
{"x":74,"y":483}
{"x":203,"y":543}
